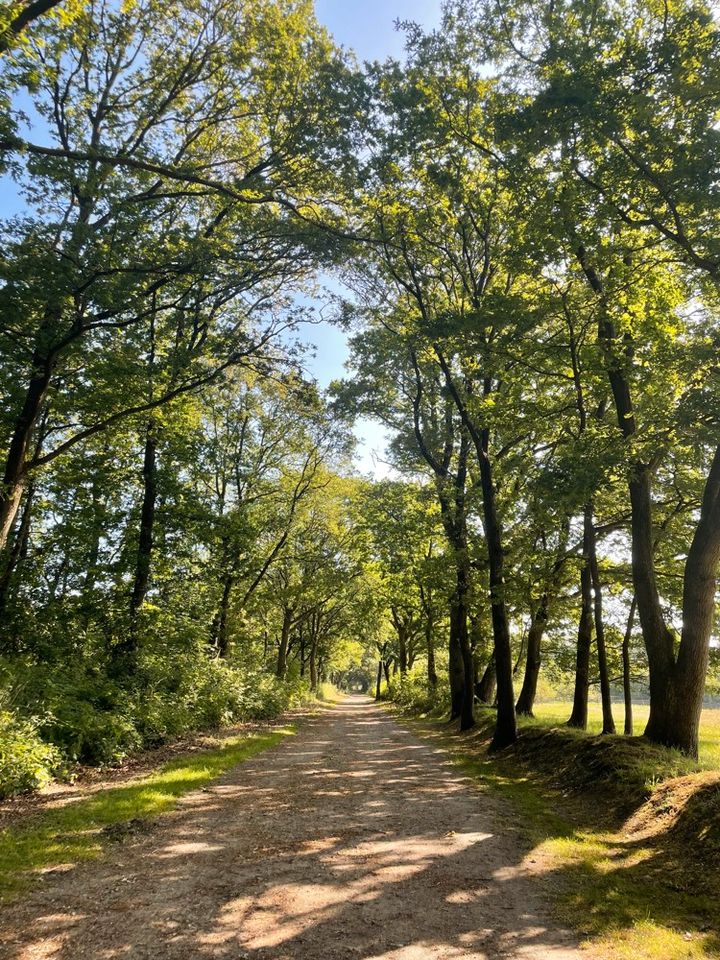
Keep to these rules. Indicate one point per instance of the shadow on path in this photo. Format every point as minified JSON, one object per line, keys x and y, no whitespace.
{"x":353,"y":839}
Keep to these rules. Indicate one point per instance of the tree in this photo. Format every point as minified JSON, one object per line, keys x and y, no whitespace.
{"x":18,"y":17}
{"x":165,"y":208}
{"x":394,"y":383}
{"x":594,"y":150}
{"x":403,"y":524}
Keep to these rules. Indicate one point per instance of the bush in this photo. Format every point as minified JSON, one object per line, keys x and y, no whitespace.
{"x":85,"y":714}
{"x":88,"y":733}
{"x":26,"y":763}
{"x":327,"y":692}
{"x":202,"y":693}
{"x":415,"y":695}
{"x":82,"y":715}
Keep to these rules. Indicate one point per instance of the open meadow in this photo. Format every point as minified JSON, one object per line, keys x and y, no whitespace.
{"x":556,"y":712}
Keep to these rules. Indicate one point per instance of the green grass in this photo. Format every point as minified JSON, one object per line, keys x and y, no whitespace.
{"x":629,"y":896}
{"x":556,"y":713}
{"x":78,"y":831}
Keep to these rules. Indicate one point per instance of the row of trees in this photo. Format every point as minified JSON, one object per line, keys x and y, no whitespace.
{"x":170,"y":501}
{"x":524,"y":215}
{"x":538,"y":323}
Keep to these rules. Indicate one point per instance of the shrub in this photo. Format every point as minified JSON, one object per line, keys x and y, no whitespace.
{"x":81,"y":715}
{"x":26,"y":763}
{"x":415,"y":695}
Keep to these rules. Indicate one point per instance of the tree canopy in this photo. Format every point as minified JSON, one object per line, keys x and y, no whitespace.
{"x":522,"y":221}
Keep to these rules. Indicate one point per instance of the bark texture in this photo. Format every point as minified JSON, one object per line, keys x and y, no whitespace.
{"x":526,"y":699}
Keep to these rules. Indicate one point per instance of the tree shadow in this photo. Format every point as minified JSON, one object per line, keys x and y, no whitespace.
{"x":662,"y":866}
{"x":626,"y":863}
{"x":352,"y":840}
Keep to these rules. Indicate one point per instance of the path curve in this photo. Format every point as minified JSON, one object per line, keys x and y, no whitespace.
{"x":353,"y":839}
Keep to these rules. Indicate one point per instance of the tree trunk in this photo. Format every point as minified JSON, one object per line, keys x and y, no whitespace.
{"x":14,"y":556}
{"x":456,"y":664}
{"x":659,"y":641}
{"x":281,"y":668}
{"x":579,"y":715}
{"x":485,"y":690}
{"x":426,"y":600}
{"x":219,"y":630}
{"x":677,"y":684}
{"x":411,"y":650}
{"x":526,"y":700}
{"x":476,"y":647}
{"x":379,"y":679}
{"x":467,"y":713}
{"x":467,"y":717}
{"x":506,"y":727}
{"x":59,"y":578}
{"x":460,"y":666}
{"x":402,"y":649}
{"x":14,"y":477}
{"x":608,"y":721}
{"x":430,"y":648}
{"x":454,"y":521}
{"x":675,"y":716}
{"x":94,"y":552}
{"x":627,"y":680}
{"x":123,"y":654}
{"x":147,"y":524}
{"x":313,"y":665}
{"x":520,"y":654}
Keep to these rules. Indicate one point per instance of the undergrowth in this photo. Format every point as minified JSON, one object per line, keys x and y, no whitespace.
{"x":26,"y":761}
{"x":53,"y":718}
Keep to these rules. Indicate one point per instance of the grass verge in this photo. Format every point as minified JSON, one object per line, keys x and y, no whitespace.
{"x":63,"y":837}
{"x":631,"y":859}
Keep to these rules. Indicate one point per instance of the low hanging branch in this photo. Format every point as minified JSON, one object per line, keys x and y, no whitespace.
{"x":195,"y":383}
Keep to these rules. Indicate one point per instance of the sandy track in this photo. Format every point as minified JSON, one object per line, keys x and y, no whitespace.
{"x":351,"y":840}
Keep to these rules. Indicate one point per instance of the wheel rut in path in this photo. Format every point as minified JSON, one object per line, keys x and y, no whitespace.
{"x":353,"y":839}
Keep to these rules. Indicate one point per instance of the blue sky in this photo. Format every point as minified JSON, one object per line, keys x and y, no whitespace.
{"x":367,"y":27}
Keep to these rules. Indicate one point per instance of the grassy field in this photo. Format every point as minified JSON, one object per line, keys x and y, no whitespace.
{"x":61,"y":837}
{"x":556,"y":713}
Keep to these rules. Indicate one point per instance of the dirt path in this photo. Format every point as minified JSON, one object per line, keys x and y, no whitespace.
{"x":353,"y":839}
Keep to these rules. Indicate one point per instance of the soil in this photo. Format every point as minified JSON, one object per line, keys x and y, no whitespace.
{"x":353,"y":839}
